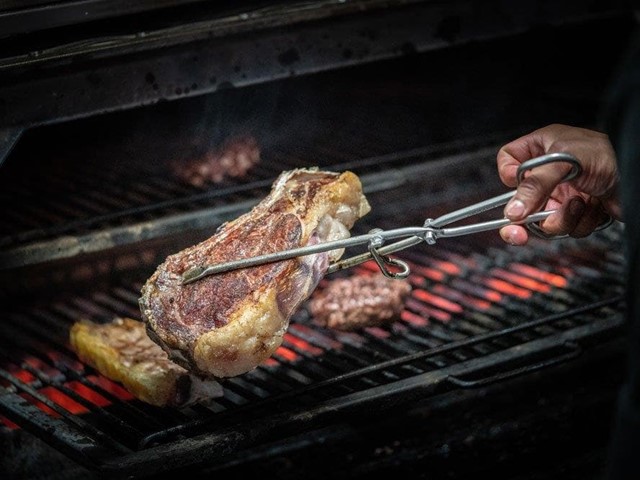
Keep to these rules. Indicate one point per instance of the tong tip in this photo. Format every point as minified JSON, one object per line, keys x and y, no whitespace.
{"x":193,"y":274}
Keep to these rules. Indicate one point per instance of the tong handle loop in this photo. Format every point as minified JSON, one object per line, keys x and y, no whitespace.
{"x":576,"y":168}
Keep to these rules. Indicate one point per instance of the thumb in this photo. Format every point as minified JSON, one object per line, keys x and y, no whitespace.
{"x":534,"y":190}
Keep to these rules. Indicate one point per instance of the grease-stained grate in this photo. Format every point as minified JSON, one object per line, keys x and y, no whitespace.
{"x":466,"y":305}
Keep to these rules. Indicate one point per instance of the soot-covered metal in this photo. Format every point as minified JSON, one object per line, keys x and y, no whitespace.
{"x":505,"y":360}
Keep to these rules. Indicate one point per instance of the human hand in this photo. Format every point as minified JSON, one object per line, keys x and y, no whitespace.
{"x":582,"y":203}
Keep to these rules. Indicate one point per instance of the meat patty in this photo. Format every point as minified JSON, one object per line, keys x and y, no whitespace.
{"x":233,"y":159}
{"x":359,"y":301}
{"x":122,"y":351}
{"x":225,"y":325}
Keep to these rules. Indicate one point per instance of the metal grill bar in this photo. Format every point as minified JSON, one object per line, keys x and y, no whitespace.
{"x":75,"y":420}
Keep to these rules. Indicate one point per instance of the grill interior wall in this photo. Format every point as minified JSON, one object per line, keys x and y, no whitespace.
{"x":384,"y":121}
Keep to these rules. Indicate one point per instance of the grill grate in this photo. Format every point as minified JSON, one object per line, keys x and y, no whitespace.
{"x":89,"y":192}
{"x":466,"y":306}
{"x":165,"y":212}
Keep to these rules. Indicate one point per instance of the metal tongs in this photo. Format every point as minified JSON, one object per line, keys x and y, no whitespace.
{"x":432,"y":230}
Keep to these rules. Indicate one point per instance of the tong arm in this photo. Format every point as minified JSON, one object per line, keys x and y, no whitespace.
{"x":415,"y":235}
{"x":435,"y":228}
{"x":429,"y":232}
{"x":198,"y":272}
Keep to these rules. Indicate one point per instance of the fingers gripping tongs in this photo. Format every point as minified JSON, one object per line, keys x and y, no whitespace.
{"x":429,"y":232}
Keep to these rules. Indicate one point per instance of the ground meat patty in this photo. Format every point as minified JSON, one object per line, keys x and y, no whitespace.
{"x":122,"y":351}
{"x":233,"y":159}
{"x":359,"y":301}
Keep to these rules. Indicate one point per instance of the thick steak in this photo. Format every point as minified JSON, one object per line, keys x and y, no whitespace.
{"x":227,"y":324}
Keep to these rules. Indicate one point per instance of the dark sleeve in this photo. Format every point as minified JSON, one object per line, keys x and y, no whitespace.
{"x":621,"y":120}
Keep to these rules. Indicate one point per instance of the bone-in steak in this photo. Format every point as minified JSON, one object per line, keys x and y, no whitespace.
{"x":225,"y":325}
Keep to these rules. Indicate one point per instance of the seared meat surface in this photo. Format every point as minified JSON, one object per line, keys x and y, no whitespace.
{"x":225,"y":325}
{"x":122,"y":351}
{"x":359,"y":301}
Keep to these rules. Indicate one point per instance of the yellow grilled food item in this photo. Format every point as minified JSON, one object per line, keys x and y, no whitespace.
{"x":122,"y":351}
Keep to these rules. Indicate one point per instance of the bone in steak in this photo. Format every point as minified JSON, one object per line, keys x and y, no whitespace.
{"x":359,"y":301}
{"x":122,"y":351}
{"x":227,"y":324}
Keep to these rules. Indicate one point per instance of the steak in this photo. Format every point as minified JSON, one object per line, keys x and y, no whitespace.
{"x":122,"y":351}
{"x":227,"y":324}
{"x":359,"y":301}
